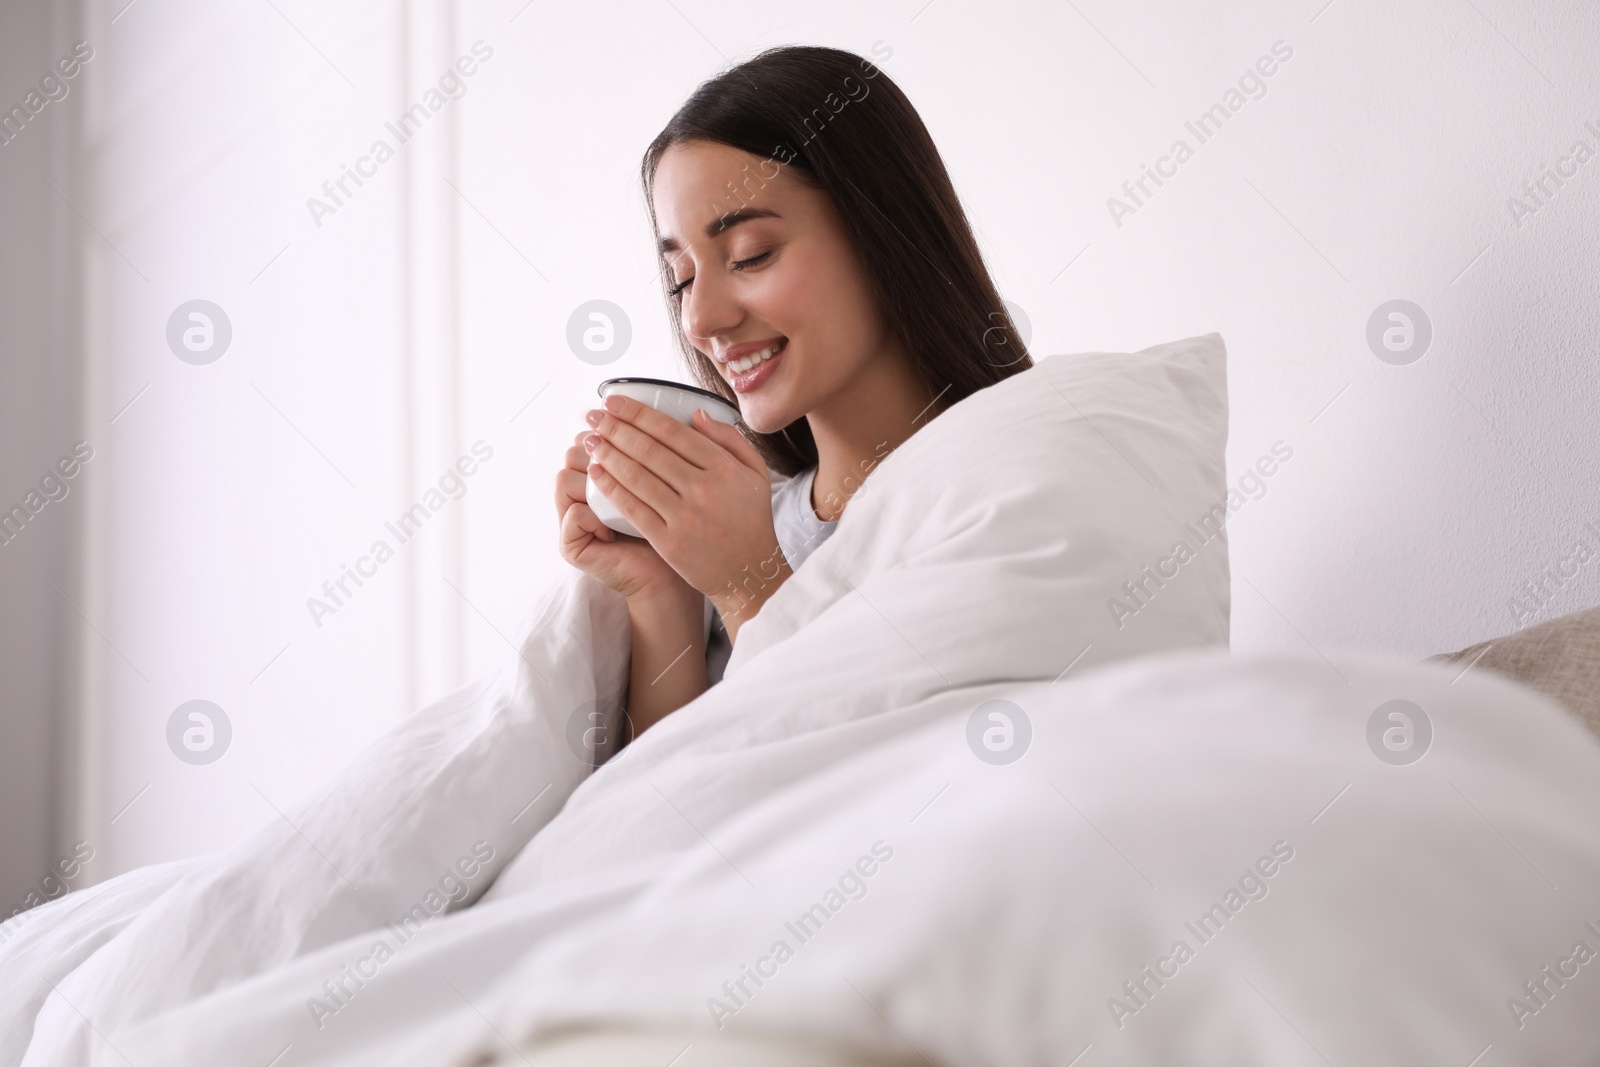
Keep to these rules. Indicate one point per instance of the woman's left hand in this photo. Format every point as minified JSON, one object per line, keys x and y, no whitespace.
{"x":701,"y":496}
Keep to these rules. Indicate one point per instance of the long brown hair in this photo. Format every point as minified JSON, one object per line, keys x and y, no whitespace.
{"x":840,"y":125}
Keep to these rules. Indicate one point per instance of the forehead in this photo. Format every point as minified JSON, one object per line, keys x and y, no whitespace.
{"x":698,"y":183}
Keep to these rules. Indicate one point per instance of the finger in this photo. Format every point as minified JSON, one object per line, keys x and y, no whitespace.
{"x":736,"y":449}
{"x":731,"y":438}
{"x":591,"y":522}
{"x":636,"y":477}
{"x":688,"y":447}
{"x":619,"y":438}
{"x":580,"y":520}
{"x":571,"y":488}
{"x":645,"y":519}
{"x":578,"y":457}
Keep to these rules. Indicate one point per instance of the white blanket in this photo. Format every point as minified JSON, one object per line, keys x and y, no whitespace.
{"x":910,"y":900}
{"x":830,"y":795}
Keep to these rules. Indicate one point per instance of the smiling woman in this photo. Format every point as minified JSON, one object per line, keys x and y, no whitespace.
{"x":821,"y":275}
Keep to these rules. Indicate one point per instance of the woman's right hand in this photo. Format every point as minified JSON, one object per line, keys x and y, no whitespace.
{"x":628,"y":565}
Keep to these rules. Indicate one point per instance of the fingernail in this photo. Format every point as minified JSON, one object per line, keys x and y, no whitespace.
{"x":590,"y":440}
{"x":615,"y":403}
{"x":594,"y":417}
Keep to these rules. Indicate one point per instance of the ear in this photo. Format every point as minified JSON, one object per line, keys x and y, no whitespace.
{"x":729,"y":437}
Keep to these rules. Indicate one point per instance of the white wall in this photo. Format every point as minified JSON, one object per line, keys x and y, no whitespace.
{"x":429,"y":311}
{"x":1376,"y":166}
{"x":227,"y":493}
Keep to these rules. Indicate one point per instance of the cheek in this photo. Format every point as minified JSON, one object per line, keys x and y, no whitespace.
{"x":818,"y":296}
{"x":793,"y":296}
{"x":825,"y":303}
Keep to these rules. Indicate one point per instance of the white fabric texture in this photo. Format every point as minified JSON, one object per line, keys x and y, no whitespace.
{"x":794,"y":519}
{"x":799,"y":533}
{"x":1404,"y":908}
{"x":947,"y":906}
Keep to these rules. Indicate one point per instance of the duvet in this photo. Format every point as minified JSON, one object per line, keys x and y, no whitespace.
{"x":945,"y":805}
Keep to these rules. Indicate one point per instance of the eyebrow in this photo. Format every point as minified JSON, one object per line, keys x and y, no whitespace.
{"x":723,"y":223}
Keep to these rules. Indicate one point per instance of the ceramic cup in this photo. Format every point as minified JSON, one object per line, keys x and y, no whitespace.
{"x":670,"y":398}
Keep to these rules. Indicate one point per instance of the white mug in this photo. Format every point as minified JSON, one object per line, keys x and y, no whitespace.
{"x":670,"y":398}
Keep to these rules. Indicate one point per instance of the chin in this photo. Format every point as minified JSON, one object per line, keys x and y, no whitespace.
{"x":762,"y":422}
{"x":774,"y":405}
{"x":763,"y":416}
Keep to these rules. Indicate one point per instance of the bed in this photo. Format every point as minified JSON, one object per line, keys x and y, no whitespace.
{"x":948,"y":805}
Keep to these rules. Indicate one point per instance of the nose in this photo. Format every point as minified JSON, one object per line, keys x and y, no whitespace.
{"x":710,"y":308}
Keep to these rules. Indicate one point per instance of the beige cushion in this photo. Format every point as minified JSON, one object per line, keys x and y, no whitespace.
{"x":1559,"y":658}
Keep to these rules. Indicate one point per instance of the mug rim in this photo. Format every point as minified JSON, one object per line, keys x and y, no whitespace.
{"x":600,"y":389}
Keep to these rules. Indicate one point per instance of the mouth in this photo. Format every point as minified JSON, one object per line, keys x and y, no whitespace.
{"x":749,"y":371}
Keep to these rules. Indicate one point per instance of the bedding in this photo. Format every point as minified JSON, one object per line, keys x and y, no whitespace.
{"x":1016,"y":512}
{"x":628,"y":1048}
{"x":1198,"y":860}
{"x":946,"y":803}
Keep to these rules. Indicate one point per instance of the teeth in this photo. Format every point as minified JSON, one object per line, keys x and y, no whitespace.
{"x":754,"y":359}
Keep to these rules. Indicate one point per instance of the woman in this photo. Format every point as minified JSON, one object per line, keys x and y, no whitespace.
{"x":821,"y":275}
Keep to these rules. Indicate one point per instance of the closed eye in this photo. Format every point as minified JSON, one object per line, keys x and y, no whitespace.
{"x":741,"y":264}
